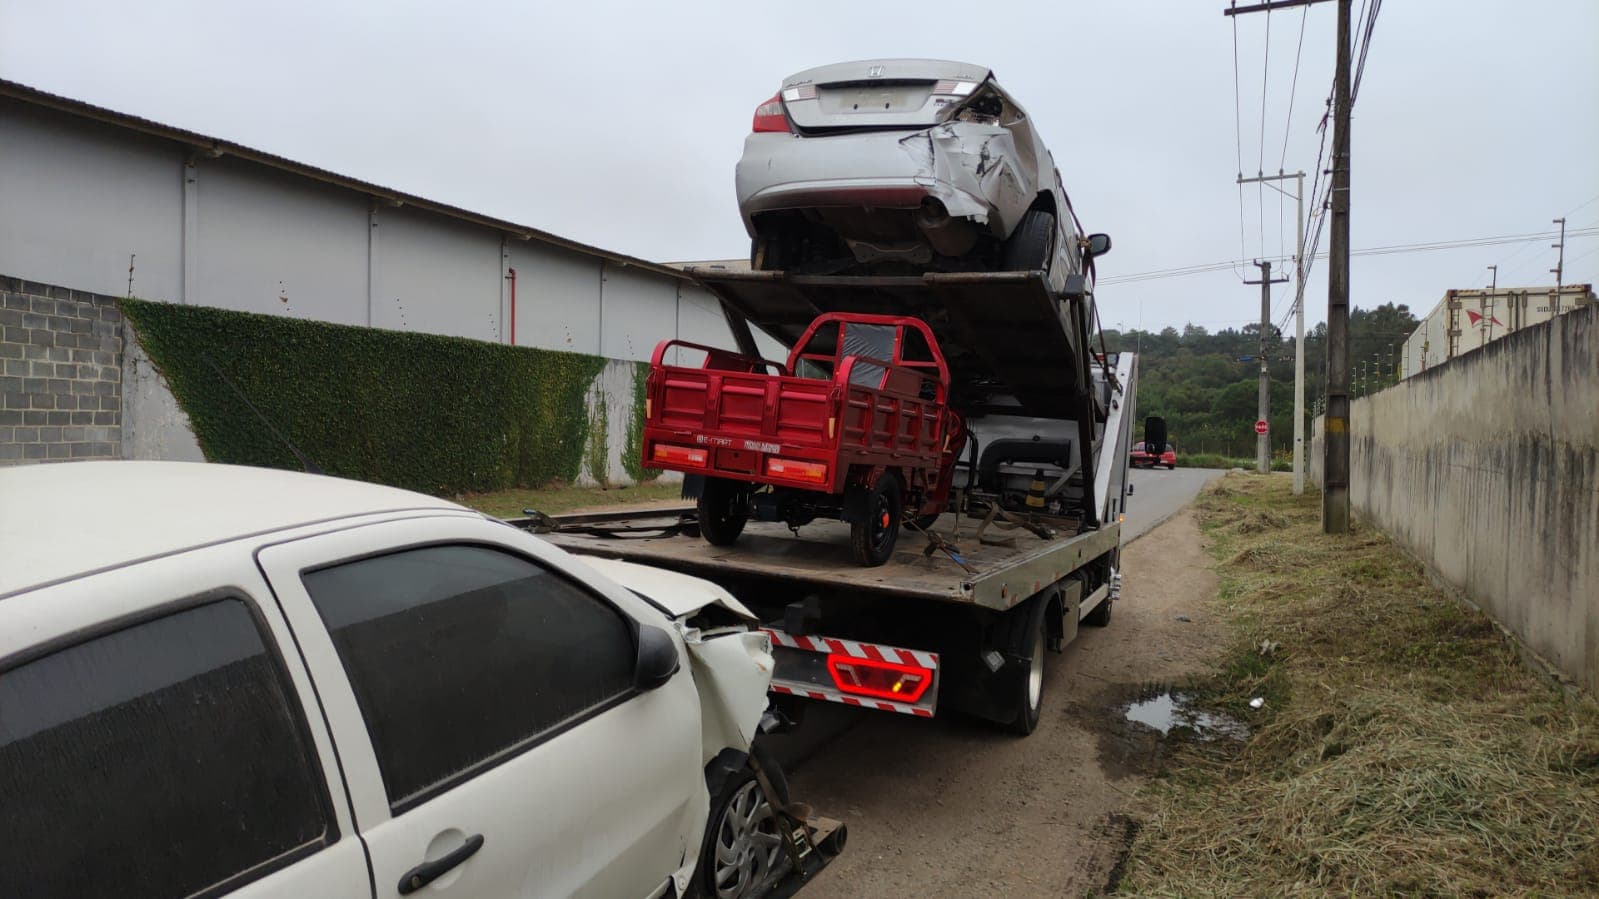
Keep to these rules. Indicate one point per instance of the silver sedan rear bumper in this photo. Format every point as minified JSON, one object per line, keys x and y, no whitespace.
{"x":972,"y":169}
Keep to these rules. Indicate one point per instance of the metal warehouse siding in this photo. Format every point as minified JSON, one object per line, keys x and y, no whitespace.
{"x":76,"y":198}
{"x":217,"y":224}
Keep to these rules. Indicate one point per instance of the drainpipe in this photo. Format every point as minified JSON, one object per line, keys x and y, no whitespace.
{"x":512,"y":276}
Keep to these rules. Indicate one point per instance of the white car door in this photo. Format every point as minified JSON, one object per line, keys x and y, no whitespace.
{"x":482,"y":699}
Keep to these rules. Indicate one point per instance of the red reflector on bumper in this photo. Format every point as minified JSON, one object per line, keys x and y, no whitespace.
{"x":815,"y":472}
{"x":679,"y":455}
{"x":882,"y":680}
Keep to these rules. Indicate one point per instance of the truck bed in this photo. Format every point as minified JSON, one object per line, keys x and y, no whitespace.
{"x":1004,"y":574}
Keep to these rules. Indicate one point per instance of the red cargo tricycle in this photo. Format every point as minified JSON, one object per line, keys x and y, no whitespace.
{"x":855,"y":425}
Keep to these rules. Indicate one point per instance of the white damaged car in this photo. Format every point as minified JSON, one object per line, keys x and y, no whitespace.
{"x":221,"y":680}
{"x":889,"y":166}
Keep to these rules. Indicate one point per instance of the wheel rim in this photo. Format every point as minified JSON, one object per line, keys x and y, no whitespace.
{"x":882,"y":523}
{"x":1035,"y":673}
{"x":748,"y":845}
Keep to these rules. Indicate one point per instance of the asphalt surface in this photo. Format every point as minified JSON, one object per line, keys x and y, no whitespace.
{"x":1158,"y":494}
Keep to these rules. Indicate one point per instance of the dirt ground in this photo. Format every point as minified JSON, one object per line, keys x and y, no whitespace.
{"x":952,"y":807}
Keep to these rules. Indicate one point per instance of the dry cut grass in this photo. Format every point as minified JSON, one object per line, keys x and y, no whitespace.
{"x":1404,"y":749}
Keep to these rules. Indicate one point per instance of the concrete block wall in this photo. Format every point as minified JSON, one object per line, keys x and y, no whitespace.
{"x":1487,"y":468}
{"x":60,"y":374}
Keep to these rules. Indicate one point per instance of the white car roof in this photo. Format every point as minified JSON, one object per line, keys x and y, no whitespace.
{"x":63,"y":520}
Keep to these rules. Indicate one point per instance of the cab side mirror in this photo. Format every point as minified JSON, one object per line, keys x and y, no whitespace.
{"x":657,"y":658}
{"x":1098,"y":245}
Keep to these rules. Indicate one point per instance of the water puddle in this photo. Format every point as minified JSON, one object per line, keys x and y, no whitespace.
{"x":1169,"y":710}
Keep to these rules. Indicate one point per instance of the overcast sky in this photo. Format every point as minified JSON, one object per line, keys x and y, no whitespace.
{"x":619,"y":124}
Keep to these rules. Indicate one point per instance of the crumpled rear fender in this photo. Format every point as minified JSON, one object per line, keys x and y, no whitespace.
{"x":975,"y":171}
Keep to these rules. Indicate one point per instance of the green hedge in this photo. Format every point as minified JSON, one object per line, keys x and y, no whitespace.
{"x":421,"y":411}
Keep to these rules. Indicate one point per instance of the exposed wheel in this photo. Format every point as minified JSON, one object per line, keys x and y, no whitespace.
{"x":743,"y":846}
{"x":1101,"y":614}
{"x":872,"y":538}
{"x":1030,"y":246}
{"x":721,"y":511}
{"x":1029,"y":636}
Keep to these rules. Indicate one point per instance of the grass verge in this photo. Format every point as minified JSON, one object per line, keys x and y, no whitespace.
{"x":556,"y":499}
{"x":1403,"y":749}
{"x":1217,"y":460}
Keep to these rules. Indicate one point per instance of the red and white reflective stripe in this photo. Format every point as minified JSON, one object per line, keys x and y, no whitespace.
{"x":832,"y":696}
{"x":874,"y":651}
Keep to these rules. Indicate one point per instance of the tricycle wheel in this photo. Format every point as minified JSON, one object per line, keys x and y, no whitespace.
{"x":873,"y":537}
{"x":722,"y":511}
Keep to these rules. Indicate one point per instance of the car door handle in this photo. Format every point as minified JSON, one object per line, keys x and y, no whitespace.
{"x":427,"y":872}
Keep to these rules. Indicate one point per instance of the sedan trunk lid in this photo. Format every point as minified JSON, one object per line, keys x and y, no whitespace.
{"x":878,"y":93}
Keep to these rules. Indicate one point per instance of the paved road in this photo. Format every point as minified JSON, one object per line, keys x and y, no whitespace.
{"x":1158,"y":494}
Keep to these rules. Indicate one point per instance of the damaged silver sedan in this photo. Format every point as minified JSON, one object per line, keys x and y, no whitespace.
{"x":892,"y":166}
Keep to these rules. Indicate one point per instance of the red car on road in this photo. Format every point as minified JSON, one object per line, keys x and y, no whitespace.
{"x":1143,"y":455}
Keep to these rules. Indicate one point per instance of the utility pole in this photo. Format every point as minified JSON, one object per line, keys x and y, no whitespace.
{"x":1263,"y":441}
{"x":1493,"y":297}
{"x":1560,"y":266}
{"x":1335,"y":470}
{"x":1299,"y":324}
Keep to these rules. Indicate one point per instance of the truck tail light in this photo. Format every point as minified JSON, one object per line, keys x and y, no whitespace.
{"x":769,"y":116}
{"x":815,"y":472}
{"x":679,"y":455}
{"x":881,"y":680}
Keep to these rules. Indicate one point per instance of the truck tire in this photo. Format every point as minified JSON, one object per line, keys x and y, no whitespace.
{"x":721,"y":511}
{"x":1100,"y":617}
{"x":742,"y":843}
{"x":872,"y":537}
{"x":1029,"y":639}
{"x":1030,"y":246}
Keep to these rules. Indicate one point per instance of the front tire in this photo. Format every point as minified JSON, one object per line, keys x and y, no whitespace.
{"x":721,"y":511}
{"x":872,"y":538}
{"x":743,"y":845}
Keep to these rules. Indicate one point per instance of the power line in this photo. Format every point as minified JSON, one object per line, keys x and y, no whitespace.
{"x":1293,"y":87}
{"x":1386,"y":250}
{"x":1238,"y":144}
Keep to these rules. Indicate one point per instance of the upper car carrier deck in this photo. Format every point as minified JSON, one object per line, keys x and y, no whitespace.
{"x":1000,"y":575}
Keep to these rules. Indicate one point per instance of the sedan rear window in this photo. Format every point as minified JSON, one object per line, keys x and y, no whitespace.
{"x":161,"y":759}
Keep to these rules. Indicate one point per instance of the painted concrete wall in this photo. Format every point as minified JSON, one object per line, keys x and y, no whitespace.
{"x":1487,"y":467}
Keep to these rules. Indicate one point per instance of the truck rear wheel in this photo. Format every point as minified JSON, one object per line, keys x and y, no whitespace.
{"x":873,"y":535}
{"x":1030,"y":642}
{"x":721,"y":510}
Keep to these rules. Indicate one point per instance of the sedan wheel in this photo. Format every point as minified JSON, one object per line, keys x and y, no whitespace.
{"x":748,"y":845}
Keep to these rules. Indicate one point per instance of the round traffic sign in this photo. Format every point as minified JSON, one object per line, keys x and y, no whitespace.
{"x":1260,"y":426}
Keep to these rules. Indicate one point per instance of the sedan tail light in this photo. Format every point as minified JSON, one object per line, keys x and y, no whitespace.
{"x":883,"y":680}
{"x":769,"y":116}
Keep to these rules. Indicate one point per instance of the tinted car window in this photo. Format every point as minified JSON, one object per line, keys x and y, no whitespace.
{"x":156,"y":760}
{"x":460,"y":654}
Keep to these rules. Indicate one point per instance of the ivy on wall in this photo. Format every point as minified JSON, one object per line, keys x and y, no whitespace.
{"x":633,"y":456}
{"x":421,"y":411}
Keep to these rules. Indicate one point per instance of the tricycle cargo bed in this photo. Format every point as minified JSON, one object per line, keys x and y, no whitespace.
{"x":1000,"y":576}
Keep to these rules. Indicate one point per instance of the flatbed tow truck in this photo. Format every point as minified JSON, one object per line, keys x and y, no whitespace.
{"x":961,"y":616}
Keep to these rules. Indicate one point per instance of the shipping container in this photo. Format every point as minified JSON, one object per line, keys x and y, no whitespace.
{"x":1466,"y":319}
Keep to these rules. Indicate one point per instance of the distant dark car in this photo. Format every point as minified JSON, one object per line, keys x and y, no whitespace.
{"x":1142,"y":455}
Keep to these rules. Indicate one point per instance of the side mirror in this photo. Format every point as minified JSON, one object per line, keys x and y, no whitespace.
{"x":657,"y":658}
{"x":1098,"y":245}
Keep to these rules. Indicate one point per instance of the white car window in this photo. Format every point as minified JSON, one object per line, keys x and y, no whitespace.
{"x":163,"y":758}
{"x":460,"y":655}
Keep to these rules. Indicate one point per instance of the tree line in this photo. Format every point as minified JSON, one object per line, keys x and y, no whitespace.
{"x":1206,"y":384}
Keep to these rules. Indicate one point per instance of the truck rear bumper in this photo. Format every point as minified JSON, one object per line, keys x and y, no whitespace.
{"x":822,"y":668}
